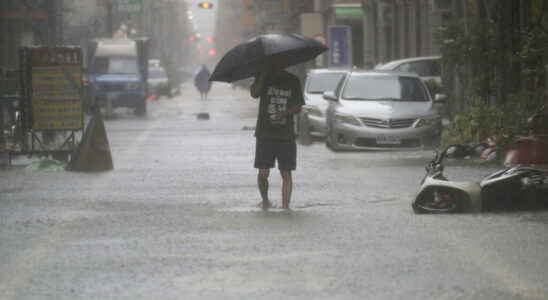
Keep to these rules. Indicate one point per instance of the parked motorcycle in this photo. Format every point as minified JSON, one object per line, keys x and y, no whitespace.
{"x":519,"y":187}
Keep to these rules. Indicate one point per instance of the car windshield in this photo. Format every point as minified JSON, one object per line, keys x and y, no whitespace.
{"x":156,"y":73}
{"x":384,"y":88}
{"x":324,"y":82}
{"x":114,"y":65}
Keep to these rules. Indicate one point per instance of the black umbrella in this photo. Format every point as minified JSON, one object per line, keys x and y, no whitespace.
{"x":246,"y":59}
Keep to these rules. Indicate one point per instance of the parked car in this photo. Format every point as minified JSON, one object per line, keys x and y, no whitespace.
{"x":382,"y":110}
{"x":158,"y":82}
{"x":427,"y":67}
{"x":317,"y":82}
{"x":154,"y":63}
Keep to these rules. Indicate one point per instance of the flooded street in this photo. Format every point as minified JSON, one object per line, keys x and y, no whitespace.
{"x":178,"y":218}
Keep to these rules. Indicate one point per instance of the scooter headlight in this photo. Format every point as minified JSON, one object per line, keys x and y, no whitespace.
{"x":429,"y":120}
{"x":312,"y":110}
{"x":348,"y":119}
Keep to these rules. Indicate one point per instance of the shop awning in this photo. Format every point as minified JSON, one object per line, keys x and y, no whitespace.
{"x":348,"y":11}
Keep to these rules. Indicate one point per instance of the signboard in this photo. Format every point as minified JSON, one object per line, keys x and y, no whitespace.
{"x":55,"y":103}
{"x":129,"y":6}
{"x":340,"y":45}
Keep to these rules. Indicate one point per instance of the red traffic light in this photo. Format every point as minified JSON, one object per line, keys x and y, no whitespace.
{"x":206,"y":5}
{"x":211,"y":52}
{"x":192,"y":38}
{"x":209,"y":39}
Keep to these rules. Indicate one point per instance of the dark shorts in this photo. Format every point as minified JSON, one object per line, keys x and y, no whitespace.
{"x":268,"y":150}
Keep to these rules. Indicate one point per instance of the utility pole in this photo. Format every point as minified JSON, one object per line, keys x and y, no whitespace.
{"x":110,"y":27}
{"x":466,"y":35}
{"x":2,"y":51}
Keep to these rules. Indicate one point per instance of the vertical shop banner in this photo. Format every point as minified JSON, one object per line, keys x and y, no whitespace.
{"x":340,"y":45}
{"x":56,"y":104}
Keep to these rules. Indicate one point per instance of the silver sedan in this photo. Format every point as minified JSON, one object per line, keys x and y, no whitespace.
{"x":382,"y":110}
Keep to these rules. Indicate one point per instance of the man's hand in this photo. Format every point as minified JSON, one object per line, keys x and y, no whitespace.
{"x":280,"y":115}
{"x":257,"y":85}
{"x":284,"y":113}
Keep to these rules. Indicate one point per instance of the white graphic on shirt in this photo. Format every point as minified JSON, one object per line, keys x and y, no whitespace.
{"x":278,"y":102}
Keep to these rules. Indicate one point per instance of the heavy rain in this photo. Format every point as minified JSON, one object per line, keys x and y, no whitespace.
{"x":273,"y":149}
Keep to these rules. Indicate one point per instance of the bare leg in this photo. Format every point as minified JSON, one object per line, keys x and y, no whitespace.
{"x":263,"y":186}
{"x":287,"y":188}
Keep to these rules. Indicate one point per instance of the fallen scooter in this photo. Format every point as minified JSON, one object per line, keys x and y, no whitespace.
{"x":515,"y":188}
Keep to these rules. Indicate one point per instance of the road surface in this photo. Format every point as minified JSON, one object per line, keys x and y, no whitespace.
{"x":178,"y":219}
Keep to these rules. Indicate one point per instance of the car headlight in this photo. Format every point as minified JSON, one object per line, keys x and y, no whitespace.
{"x":131,"y":86}
{"x":429,"y":120}
{"x":312,"y":110}
{"x":348,"y":119}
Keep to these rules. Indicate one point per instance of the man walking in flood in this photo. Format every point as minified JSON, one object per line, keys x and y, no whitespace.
{"x":280,"y":98}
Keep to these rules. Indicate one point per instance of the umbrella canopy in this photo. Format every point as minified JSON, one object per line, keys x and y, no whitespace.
{"x":246,"y":59}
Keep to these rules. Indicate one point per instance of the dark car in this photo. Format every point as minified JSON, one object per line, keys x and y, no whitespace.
{"x":158,"y":82}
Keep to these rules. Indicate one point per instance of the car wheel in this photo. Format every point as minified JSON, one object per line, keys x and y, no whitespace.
{"x":327,"y":138}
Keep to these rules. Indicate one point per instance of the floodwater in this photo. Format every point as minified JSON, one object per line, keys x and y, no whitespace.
{"x":178,"y":218}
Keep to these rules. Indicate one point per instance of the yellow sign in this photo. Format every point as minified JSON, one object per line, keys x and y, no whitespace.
{"x":56,"y":104}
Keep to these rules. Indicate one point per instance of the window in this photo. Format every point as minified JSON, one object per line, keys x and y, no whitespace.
{"x":114,"y":65}
{"x":393,"y":88}
{"x":323,"y":82}
{"x":156,"y":73}
{"x":422,"y":68}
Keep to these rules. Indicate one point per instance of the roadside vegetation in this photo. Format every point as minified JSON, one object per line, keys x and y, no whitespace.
{"x":493,"y":87}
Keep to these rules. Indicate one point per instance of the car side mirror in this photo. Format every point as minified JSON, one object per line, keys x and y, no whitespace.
{"x":329,"y":96}
{"x":440,"y":98}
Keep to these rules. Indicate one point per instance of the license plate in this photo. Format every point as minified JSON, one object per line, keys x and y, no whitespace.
{"x":112,"y":96}
{"x":389,"y":139}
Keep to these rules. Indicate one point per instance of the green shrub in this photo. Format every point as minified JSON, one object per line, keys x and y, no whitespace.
{"x":482,"y":121}
{"x":472,"y":127}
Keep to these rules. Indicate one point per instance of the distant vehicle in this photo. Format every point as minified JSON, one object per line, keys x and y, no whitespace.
{"x":382,"y":110}
{"x":158,"y":82}
{"x":117,"y":71}
{"x":317,"y":82}
{"x":154,"y":63}
{"x":427,"y":67}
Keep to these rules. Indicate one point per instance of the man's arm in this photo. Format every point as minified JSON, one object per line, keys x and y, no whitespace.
{"x":257,"y":85}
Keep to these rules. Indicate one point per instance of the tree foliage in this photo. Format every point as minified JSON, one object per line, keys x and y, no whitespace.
{"x":478,"y":112}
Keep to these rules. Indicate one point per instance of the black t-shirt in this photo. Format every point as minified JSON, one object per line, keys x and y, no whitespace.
{"x":279,"y":93}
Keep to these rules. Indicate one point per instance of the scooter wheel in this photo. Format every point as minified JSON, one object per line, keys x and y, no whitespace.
{"x":426,"y":209}
{"x":437,"y":202}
